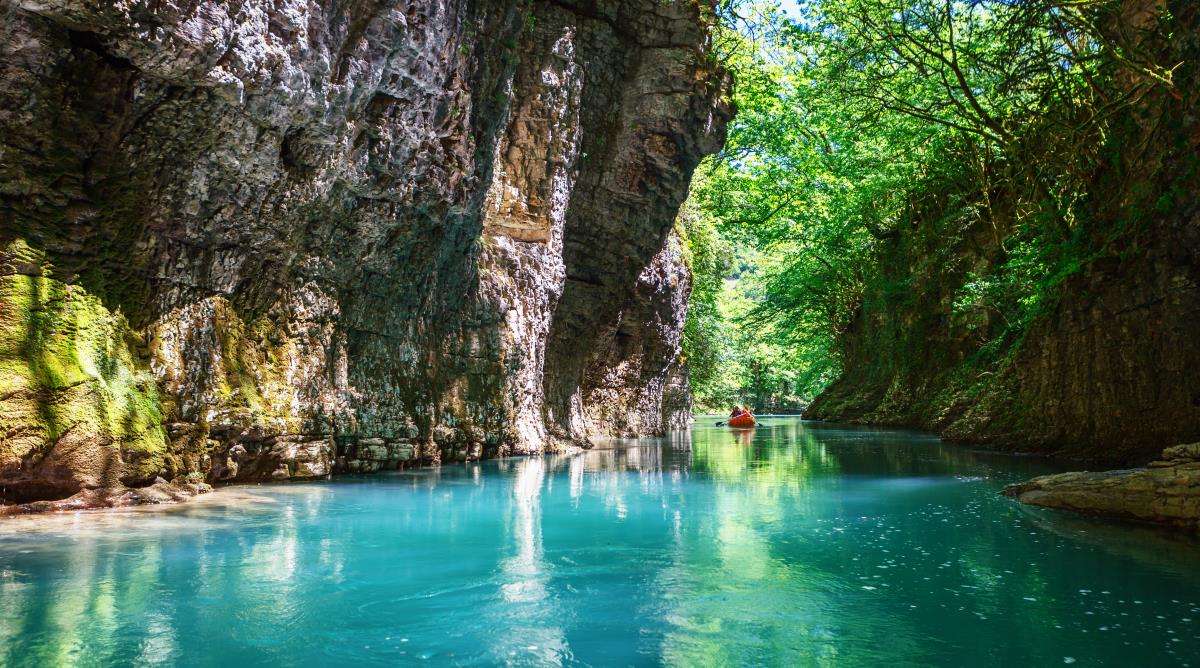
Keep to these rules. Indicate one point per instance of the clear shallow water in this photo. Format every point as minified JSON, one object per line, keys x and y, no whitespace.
{"x":796,"y":544}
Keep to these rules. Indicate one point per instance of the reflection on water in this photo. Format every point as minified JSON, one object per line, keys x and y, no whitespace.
{"x":527,"y":611}
{"x":789,"y":544}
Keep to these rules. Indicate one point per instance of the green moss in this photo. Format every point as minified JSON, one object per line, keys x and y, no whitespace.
{"x":68,"y":364}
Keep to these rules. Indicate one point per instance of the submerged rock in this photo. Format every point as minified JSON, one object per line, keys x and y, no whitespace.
{"x":1164,"y":492}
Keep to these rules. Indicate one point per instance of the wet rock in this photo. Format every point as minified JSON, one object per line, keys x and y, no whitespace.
{"x":317,"y":469}
{"x":404,"y":451}
{"x":114,"y":497}
{"x":1165,"y":492}
{"x":377,"y":453}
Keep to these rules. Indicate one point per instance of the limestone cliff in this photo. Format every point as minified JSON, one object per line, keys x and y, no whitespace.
{"x":268,"y":239}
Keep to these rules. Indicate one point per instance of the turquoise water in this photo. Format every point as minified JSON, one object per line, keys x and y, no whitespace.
{"x":798,"y":544}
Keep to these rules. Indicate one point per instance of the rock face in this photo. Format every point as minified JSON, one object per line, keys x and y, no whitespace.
{"x":271,"y":239}
{"x":1165,"y":492}
{"x":1108,"y":374}
{"x":1108,"y":377}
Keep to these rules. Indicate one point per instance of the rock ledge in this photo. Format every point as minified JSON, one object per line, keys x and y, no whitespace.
{"x":160,"y":492}
{"x":1166,"y":491}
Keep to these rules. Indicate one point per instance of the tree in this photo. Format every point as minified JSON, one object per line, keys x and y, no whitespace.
{"x":859,"y":119}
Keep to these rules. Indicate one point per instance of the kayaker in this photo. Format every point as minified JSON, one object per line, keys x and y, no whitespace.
{"x":737,"y":411}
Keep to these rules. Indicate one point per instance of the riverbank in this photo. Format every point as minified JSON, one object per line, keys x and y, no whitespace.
{"x":159,"y":493}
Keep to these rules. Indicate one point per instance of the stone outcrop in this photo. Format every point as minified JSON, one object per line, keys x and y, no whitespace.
{"x":1107,"y":377}
{"x":274,"y":239}
{"x":1166,"y":491}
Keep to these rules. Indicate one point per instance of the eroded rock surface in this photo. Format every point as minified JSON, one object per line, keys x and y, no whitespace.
{"x":1166,"y":491}
{"x":276,"y":239}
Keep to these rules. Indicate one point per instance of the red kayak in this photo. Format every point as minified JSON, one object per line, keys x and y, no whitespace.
{"x":741,"y":421}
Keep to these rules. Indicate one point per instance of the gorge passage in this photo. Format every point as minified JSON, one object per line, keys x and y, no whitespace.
{"x":270,"y":240}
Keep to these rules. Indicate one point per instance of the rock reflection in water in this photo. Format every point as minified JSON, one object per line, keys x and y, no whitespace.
{"x":792,"y":544}
{"x":527,"y":612}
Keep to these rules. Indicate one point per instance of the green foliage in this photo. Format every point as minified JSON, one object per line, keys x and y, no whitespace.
{"x":864,"y":123}
{"x":704,"y":345}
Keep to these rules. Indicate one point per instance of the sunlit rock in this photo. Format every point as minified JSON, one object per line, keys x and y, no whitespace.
{"x":1165,"y":492}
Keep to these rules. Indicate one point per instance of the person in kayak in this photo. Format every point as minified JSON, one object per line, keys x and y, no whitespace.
{"x":740,"y":418}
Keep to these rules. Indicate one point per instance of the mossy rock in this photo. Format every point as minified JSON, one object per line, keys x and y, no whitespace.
{"x":78,"y":400}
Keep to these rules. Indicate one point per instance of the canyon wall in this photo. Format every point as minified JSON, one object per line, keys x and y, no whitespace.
{"x":1110,"y":373}
{"x":270,"y":239}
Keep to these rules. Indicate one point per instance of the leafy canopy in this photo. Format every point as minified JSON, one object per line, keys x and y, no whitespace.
{"x":859,"y":119}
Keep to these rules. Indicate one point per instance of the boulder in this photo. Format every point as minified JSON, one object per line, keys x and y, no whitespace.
{"x":1164,"y":492}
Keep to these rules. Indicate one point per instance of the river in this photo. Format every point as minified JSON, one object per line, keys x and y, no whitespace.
{"x":794,"y":544}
